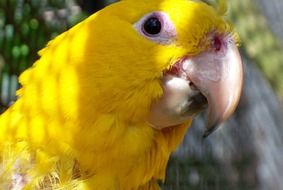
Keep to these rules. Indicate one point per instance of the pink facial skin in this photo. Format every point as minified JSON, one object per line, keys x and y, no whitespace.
{"x":168,"y":32}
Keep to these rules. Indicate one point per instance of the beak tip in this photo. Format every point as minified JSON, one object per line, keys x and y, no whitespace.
{"x":210,"y":129}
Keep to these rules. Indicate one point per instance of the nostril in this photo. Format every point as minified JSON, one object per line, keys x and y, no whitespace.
{"x":217,"y":43}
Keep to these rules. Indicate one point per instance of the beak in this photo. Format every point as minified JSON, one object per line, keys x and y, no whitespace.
{"x":218,"y":75}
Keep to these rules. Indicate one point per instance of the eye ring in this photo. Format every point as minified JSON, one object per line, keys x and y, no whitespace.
{"x":157,"y":27}
{"x":152,"y":26}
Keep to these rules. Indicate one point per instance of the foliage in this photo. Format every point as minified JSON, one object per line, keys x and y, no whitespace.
{"x":25,"y":27}
{"x":258,"y":41}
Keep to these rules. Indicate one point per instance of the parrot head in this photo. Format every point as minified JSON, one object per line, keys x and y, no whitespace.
{"x":156,"y":61}
{"x":170,"y":59}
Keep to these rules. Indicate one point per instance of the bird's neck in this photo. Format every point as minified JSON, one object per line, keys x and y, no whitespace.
{"x":133,"y":149}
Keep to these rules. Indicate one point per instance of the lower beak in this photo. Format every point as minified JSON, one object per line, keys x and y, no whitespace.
{"x":218,"y":75}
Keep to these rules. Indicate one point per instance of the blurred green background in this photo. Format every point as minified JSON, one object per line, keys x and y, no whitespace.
{"x":27,"y":25}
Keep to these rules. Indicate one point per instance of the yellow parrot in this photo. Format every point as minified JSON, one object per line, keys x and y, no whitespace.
{"x":110,"y":99}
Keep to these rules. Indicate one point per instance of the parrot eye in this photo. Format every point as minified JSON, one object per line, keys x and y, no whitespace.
{"x":152,"y":26}
{"x":156,"y":27}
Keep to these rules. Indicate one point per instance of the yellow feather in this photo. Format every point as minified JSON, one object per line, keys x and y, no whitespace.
{"x":80,"y":121}
{"x":222,"y":7}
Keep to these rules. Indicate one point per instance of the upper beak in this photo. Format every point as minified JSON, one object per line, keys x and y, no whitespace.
{"x":218,"y":75}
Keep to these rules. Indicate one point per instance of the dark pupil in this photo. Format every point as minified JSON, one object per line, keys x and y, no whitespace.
{"x":152,"y":26}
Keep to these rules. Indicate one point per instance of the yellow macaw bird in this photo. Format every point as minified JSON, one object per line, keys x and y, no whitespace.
{"x":111,"y":99}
